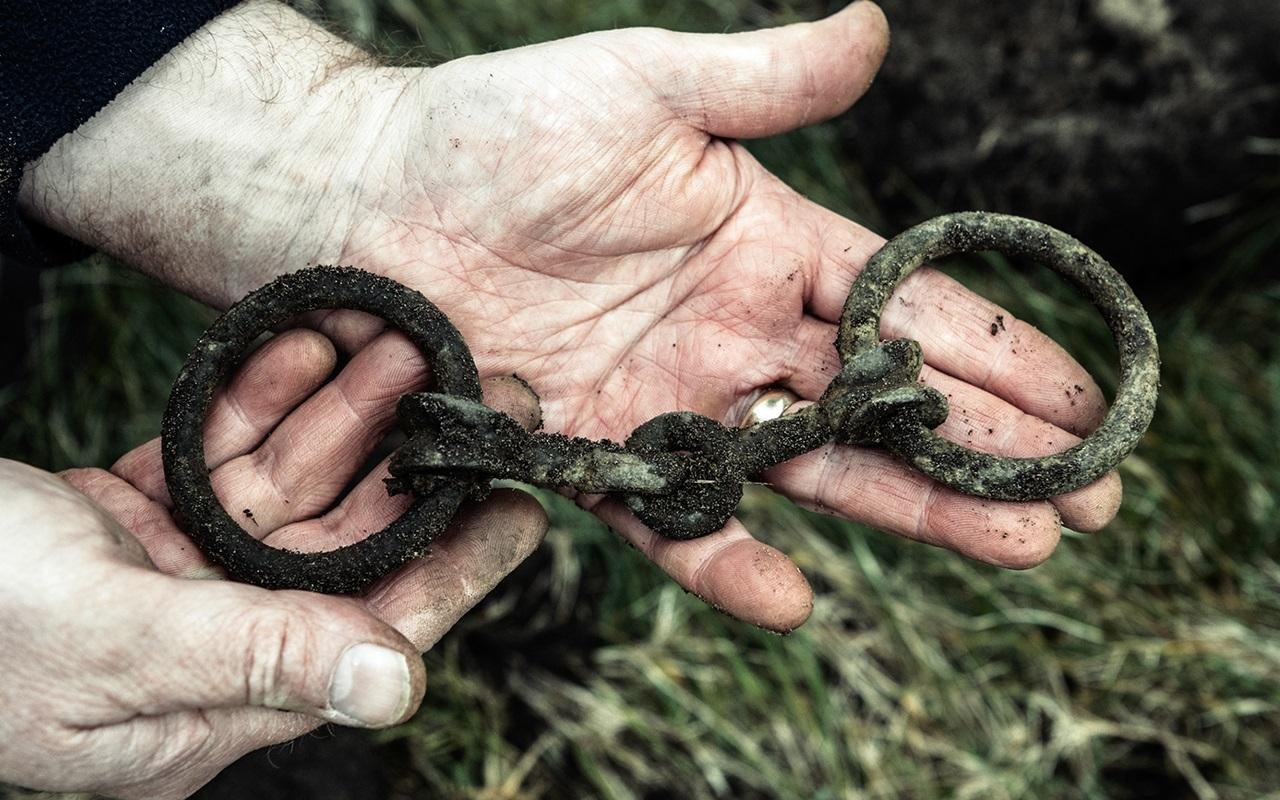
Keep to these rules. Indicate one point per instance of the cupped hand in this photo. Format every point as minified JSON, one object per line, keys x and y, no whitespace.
{"x":125,"y":674}
{"x":580,"y":210}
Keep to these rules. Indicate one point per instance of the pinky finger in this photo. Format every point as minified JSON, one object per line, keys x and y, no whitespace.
{"x":875,"y":489}
{"x":730,"y":569}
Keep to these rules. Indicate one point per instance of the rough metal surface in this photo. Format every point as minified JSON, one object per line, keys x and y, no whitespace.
{"x":347,"y":569}
{"x":681,"y":473}
{"x":982,"y":474}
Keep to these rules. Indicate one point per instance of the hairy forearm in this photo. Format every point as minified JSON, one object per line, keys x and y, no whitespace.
{"x":226,"y":161}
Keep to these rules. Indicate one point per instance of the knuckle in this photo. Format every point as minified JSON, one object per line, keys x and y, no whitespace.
{"x":649,"y":38}
{"x":275,"y":644}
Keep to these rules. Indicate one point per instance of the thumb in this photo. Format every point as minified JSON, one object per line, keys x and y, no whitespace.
{"x":221,"y":645}
{"x":766,"y":82}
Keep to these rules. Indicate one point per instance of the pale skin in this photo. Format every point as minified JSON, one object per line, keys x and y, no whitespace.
{"x":582,"y":212}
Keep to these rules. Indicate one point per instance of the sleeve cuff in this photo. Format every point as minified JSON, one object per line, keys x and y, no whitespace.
{"x":61,"y":61}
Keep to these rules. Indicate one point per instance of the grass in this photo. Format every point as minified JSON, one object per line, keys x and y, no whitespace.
{"x":1140,"y":662}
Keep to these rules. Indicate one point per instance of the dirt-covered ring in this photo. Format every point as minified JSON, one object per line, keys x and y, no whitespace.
{"x":348,"y":569}
{"x":1000,"y":477}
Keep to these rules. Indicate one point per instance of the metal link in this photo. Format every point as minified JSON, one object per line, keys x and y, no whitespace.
{"x":681,"y":473}
{"x":983,"y":474}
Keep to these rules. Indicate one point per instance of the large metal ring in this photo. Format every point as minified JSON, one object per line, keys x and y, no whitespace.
{"x":1000,"y":477}
{"x":353,"y":567}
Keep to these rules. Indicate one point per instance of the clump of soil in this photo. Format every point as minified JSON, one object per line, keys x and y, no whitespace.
{"x":1115,"y":120}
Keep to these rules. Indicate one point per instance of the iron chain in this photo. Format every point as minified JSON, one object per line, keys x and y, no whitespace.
{"x":681,"y":473}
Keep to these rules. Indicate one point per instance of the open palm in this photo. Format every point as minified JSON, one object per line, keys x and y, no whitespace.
{"x":581,"y":212}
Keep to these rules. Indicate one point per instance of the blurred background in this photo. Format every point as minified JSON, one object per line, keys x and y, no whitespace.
{"x":1143,"y":661}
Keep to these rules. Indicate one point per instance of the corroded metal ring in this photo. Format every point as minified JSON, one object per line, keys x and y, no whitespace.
{"x":983,"y":474}
{"x":347,"y":569}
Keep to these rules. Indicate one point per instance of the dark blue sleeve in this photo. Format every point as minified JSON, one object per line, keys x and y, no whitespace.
{"x":60,"y":62}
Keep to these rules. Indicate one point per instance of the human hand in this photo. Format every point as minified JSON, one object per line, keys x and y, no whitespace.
{"x":126,"y":675}
{"x":580,"y":211}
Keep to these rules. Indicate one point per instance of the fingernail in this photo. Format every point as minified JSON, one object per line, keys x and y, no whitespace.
{"x":370,"y":687}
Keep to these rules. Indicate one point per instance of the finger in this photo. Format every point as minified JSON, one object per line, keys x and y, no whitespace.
{"x":957,"y":525}
{"x":962,"y":334}
{"x":729,"y":569}
{"x":986,"y":423}
{"x":875,"y":489}
{"x":977,"y":419}
{"x":281,"y":374}
{"x":310,"y":457}
{"x":274,"y":379}
{"x":368,"y":508}
{"x":350,"y":330}
{"x":216,"y":644}
{"x":151,"y":524}
{"x":125,"y":505}
{"x":771,"y":81}
{"x":427,"y":597}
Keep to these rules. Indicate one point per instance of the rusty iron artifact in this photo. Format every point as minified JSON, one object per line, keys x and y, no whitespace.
{"x":681,"y":473}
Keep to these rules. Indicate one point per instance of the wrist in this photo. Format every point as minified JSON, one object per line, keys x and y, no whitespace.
{"x":230,"y":160}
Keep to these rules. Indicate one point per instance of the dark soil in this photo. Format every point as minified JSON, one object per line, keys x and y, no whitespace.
{"x":1130,"y":124}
